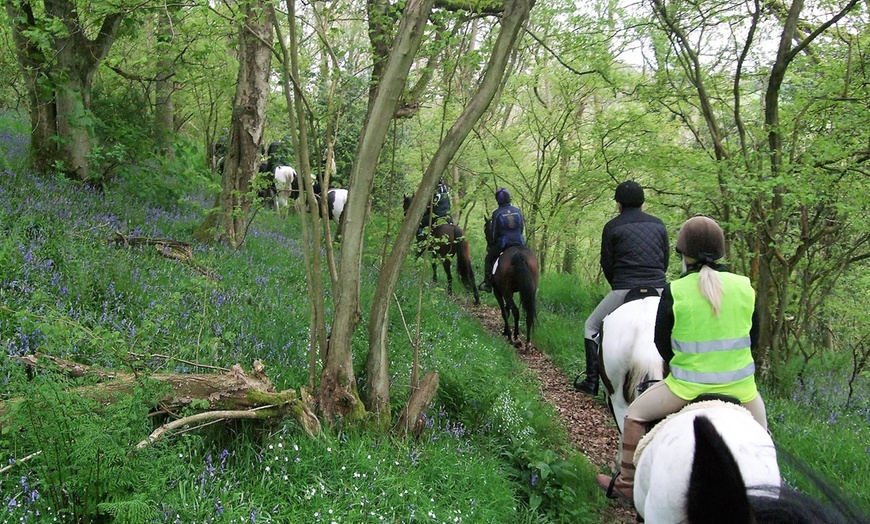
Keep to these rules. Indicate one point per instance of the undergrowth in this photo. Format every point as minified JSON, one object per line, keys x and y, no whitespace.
{"x":71,"y":288}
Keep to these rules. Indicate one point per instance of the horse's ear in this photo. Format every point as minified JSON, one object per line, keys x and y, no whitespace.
{"x":717,"y":493}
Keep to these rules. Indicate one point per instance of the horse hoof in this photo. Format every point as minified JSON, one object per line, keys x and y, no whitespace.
{"x":518,"y":344}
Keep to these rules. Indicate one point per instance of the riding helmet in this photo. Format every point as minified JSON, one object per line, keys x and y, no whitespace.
{"x":629,"y":194}
{"x":503,"y":196}
{"x":701,"y":238}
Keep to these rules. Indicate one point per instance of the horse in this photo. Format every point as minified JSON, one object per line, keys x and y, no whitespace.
{"x":266,"y":186}
{"x":336,"y":198}
{"x":515,"y":271}
{"x":287,"y":186}
{"x":713,"y":463}
{"x":445,"y":242}
{"x":628,"y":358}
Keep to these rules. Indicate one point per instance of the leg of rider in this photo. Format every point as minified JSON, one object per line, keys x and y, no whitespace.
{"x":592,"y":333}
{"x":655,"y":403}
{"x":758,"y":410}
{"x":488,"y":262}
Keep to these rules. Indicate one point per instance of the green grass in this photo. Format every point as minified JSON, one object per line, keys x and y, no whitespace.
{"x":831,"y":442}
{"x":565,"y":302}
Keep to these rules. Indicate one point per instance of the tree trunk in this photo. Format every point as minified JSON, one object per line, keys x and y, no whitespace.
{"x":164,"y":109}
{"x":338,"y":396}
{"x":377,"y":370}
{"x":59,"y":81}
{"x":411,"y":419}
{"x":249,"y":115}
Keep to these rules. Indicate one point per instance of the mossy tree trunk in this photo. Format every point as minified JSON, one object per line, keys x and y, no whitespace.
{"x":58,"y":61}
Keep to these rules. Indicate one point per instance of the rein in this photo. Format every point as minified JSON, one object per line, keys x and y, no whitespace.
{"x":645,"y":385}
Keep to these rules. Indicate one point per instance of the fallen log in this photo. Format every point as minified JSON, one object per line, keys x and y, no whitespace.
{"x":232,"y":393}
{"x":173,"y":249}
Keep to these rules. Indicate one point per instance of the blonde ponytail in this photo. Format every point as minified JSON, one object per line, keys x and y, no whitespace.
{"x":710,"y":286}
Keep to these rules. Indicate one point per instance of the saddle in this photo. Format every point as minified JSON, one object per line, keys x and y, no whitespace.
{"x":706,"y":401}
{"x":640,"y":293}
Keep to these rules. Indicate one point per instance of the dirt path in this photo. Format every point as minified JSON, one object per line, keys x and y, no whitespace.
{"x":587,"y":421}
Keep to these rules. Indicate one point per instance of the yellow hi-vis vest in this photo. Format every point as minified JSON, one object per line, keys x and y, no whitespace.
{"x":711,"y":353}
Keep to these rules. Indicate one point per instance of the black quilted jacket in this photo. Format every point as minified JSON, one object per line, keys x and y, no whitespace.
{"x":634,"y":250}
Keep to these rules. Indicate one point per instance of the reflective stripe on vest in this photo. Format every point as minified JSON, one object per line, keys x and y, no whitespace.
{"x":711,"y":353}
{"x":714,"y":378}
{"x":711,"y":345}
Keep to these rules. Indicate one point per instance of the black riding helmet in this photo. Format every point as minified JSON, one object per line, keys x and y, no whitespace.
{"x":629,"y":194}
{"x":701,"y":238}
{"x":503,"y":196}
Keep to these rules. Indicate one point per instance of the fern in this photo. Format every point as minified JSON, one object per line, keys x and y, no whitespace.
{"x":133,"y":511}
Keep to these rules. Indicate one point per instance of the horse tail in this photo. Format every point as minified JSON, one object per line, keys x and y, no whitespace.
{"x":463,"y":265}
{"x":646,"y":368}
{"x":528,"y":289}
{"x":646,"y":364}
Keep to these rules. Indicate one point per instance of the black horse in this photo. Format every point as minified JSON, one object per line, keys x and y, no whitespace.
{"x":445,"y":242}
{"x":515,"y":271}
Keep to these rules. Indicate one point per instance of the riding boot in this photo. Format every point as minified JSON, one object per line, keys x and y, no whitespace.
{"x":621,"y":485}
{"x":486,"y":285}
{"x":589,"y":385}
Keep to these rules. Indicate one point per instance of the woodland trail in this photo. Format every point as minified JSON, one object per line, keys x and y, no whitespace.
{"x":587,"y":421}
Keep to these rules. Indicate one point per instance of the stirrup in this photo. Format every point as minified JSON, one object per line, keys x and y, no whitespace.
{"x":609,"y":492}
{"x":614,"y":494}
{"x":588,"y":388}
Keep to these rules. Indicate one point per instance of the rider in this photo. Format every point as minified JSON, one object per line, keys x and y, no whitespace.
{"x":506,"y":230}
{"x":634,"y":253}
{"x":706,"y":330}
{"x":437,"y":212}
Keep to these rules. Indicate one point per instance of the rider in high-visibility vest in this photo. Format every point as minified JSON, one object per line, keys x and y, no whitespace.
{"x":705,"y":330}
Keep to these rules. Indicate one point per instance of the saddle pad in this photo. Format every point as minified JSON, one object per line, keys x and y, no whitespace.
{"x":495,"y":266}
{"x":707,"y":404}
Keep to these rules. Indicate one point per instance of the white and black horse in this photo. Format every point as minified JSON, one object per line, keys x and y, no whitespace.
{"x":629,"y":359}
{"x":712,"y":463}
{"x":336,"y":200}
{"x":287,"y":187}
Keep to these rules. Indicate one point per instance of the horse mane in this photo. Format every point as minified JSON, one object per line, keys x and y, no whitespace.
{"x":645,"y":365}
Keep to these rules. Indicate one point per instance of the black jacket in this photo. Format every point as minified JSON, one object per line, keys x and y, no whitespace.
{"x":634,"y":250}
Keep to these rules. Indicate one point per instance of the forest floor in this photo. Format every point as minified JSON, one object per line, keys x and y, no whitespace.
{"x":587,"y":421}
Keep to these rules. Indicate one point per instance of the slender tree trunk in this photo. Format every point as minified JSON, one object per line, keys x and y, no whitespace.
{"x":314,"y":241}
{"x":164,"y":110}
{"x":377,"y":365}
{"x":338,"y":396}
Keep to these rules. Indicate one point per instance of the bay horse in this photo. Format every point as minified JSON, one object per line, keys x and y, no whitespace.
{"x":515,"y":271}
{"x":444,"y":243}
{"x":713,"y":463}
